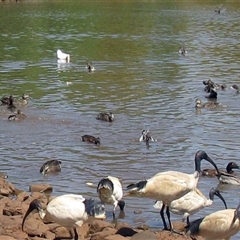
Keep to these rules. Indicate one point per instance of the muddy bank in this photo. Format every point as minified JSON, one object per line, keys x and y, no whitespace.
{"x":14,"y":204}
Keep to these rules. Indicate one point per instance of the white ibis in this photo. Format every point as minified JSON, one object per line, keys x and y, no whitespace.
{"x":108,"y":117}
{"x":63,"y":56}
{"x":110,"y":191}
{"x":192,"y":202}
{"x":68,"y":210}
{"x":169,"y":186}
{"x":218,"y":225}
{"x":51,"y":166}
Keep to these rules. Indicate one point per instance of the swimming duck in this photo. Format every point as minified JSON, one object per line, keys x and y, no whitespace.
{"x":23,"y":100}
{"x":51,"y":166}
{"x":146,"y":136}
{"x":5,"y":100}
{"x":209,"y":105}
{"x":223,"y":86}
{"x":11,"y":106}
{"x":209,"y":84}
{"x":18,"y":116}
{"x":109,"y":117}
{"x":229,"y":178}
{"x":235,"y":87}
{"x":213,"y":172}
{"x":91,"y":139}
{"x":212,"y":95}
{"x":63,"y":56}
{"x":90,"y":67}
{"x":110,"y":191}
{"x":182,"y":51}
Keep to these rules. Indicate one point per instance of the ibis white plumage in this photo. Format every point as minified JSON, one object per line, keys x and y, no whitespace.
{"x":222,"y":224}
{"x":63,"y":56}
{"x":69,"y":210}
{"x":192,"y":202}
{"x":169,"y":186}
{"x":110,"y":191}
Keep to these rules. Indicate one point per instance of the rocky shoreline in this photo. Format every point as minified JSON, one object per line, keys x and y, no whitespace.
{"x":14,"y":204}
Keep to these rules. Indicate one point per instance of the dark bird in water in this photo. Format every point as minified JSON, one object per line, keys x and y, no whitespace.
{"x":109,"y":117}
{"x":90,"y":67}
{"x":51,"y":166}
{"x":213,"y":173}
{"x":146,"y":137}
{"x":235,"y":87}
{"x":209,"y":105}
{"x":91,"y":139}
{"x":110,"y":191}
{"x":23,"y":100}
{"x":18,"y":116}
{"x":11,"y":106}
{"x":182,"y":51}
{"x":212,"y":95}
{"x":5,"y":100}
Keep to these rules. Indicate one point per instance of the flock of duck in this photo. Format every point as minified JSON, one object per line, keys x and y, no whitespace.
{"x":173,"y":191}
{"x":211,"y":88}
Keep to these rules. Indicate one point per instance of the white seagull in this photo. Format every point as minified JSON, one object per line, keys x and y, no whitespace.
{"x":63,"y":56}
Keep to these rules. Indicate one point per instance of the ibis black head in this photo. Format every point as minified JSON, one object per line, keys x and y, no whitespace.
{"x":215,"y":191}
{"x":121,"y":204}
{"x":34,"y":205}
{"x":95,"y":209}
{"x":199,"y":156}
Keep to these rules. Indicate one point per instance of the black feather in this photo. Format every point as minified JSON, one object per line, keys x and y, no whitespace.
{"x":193,"y":227}
{"x":94,"y":208}
{"x":139,"y":185}
{"x":105,"y":182}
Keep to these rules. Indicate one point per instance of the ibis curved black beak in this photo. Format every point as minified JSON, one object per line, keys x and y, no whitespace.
{"x":34,"y":205}
{"x":215,"y":191}
{"x":199,"y":156}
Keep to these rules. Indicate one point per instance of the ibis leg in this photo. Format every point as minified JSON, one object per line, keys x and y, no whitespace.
{"x":162,"y":216}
